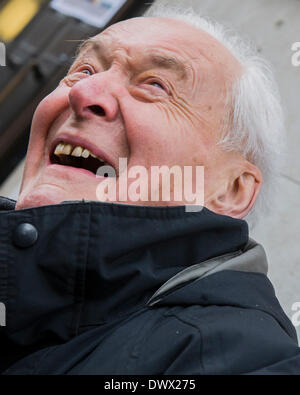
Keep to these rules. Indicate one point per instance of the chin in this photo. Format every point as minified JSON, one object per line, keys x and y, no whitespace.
{"x":41,"y":196}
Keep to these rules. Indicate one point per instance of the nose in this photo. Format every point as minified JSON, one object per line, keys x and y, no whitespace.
{"x":93,"y":97}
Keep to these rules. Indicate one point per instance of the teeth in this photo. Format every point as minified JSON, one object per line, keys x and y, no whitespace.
{"x":77,"y":151}
{"x":59,"y":149}
{"x":68,"y":149}
{"x":85,"y":153}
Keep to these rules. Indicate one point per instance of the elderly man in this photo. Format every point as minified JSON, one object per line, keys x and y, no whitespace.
{"x":123,"y":287}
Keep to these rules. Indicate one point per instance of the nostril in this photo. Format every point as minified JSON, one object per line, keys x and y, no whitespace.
{"x":97,"y":110}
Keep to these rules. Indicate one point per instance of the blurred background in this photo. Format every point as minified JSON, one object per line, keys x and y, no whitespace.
{"x":41,"y":37}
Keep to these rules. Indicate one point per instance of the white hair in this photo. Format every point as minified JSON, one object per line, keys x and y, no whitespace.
{"x":254,"y":122}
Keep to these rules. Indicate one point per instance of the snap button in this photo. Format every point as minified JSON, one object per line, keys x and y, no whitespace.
{"x":25,"y":235}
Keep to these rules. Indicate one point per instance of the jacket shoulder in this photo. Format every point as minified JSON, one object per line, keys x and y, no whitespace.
{"x":213,"y":340}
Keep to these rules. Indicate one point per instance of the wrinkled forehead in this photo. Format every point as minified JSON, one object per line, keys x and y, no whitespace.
{"x":186,"y":42}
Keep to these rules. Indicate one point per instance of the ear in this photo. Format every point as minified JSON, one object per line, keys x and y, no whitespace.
{"x":239,"y":194}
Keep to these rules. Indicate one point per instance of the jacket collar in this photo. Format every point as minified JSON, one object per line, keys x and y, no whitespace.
{"x":96,"y":262}
{"x":250,"y":259}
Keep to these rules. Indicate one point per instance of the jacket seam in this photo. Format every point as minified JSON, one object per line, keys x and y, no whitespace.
{"x":207,"y":326}
{"x":194,"y":326}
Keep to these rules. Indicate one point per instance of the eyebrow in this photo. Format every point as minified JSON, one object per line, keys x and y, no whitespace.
{"x":162,"y":61}
{"x":168,"y":63}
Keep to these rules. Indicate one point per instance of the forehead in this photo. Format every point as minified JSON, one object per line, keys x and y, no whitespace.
{"x":178,"y":38}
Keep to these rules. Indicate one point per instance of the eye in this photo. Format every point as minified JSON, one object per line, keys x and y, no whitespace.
{"x":157,"y":85}
{"x":83,"y":69}
{"x":86,"y":71}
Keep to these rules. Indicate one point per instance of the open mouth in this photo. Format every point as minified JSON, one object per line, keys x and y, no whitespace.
{"x":80,"y":157}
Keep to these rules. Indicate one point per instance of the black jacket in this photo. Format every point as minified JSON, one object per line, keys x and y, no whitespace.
{"x":103,"y":288}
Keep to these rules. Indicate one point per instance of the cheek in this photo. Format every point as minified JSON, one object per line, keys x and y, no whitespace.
{"x":150,"y":128}
{"x":52,"y":108}
{"x":166,"y":134}
{"x":49,"y":109}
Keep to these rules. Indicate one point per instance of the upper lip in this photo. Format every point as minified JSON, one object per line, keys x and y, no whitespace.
{"x":79,"y":141}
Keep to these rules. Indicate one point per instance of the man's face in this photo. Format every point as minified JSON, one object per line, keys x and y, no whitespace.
{"x":147,"y":89}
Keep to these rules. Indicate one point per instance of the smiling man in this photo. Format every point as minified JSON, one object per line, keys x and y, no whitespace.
{"x":159,"y":104}
{"x":145,"y":287}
